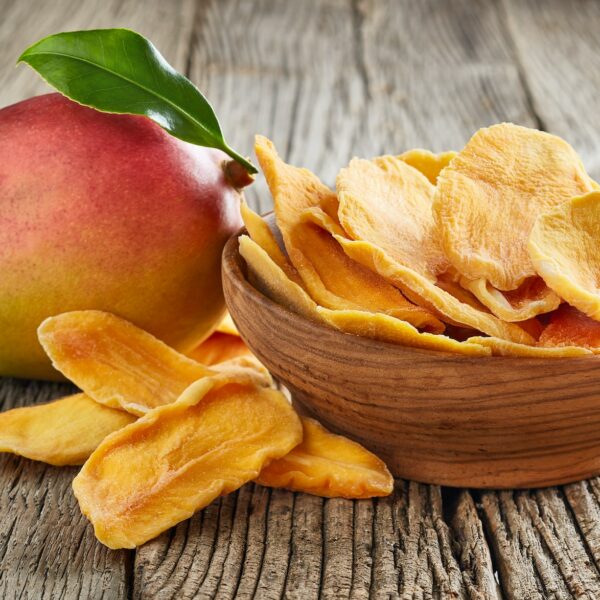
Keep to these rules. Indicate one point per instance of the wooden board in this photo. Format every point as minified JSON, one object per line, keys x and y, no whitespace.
{"x":328,"y":79}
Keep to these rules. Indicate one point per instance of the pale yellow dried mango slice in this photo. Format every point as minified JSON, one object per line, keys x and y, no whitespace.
{"x":533,"y":297}
{"x":293,"y":189}
{"x":329,"y":465}
{"x":219,"y":347}
{"x":178,"y":458}
{"x":122,"y":366}
{"x":490,"y":194}
{"x":427,"y":294}
{"x":388,"y":329}
{"x":565,"y":249}
{"x":501,"y":347}
{"x":61,"y":432}
{"x":387,"y":202}
{"x":273,"y":282}
{"x":427,"y":162}
{"x":570,"y":327}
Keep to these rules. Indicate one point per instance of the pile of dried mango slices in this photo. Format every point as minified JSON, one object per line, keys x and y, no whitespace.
{"x":494,"y":250}
{"x":161,"y":435}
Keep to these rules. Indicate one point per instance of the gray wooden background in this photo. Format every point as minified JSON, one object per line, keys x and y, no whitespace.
{"x":327,"y":80}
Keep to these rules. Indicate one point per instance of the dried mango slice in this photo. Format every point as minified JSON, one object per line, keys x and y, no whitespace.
{"x":565,"y":249}
{"x":533,"y":297}
{"x":570,"y":327}
{"x":388,"y":202}
{"x":227,"y":326}
{"x":62,"y":432}
{"x":505,"y":348}
{"x":489,"y":196}
{"x":293,"y":189}
{"x":122,"y":366}
{"x":219,"y":347}
{"x":272,"y":281}
{"x":329,"y":465}
{"x":389,"y":329}
{"x":178,"y":458}
{"x":261,"y":233}
{"x":427,"y":162}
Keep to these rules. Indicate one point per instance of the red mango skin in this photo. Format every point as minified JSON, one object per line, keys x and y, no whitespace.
{"x":108,"y":212}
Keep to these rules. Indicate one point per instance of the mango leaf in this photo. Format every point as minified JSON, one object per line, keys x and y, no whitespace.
{"x":120,"y":71}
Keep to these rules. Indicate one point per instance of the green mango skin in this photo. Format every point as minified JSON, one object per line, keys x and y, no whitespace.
{"x":107,"y":212}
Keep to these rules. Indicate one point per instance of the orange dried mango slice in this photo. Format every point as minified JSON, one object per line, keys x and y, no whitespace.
{"x":272,"y":281}
{"x":219,"y":347}
{"x":427,"y":162}
{"x":122,"y":366}
{"x":388,"y":202}
{"x":501,"y":347}
{"x":329,"y":465}
{"x":533,"y":297}
{"x":489,"y":196}
{"x":570,"y":327}
{"x":178,"y":458}
{"x":565,"y":249}
{"x":61,"y":432}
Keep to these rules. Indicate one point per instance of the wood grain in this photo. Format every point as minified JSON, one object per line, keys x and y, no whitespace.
{"x":326,"y":79}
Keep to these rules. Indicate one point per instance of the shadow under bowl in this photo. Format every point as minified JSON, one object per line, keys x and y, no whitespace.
{"x":434,"y":417}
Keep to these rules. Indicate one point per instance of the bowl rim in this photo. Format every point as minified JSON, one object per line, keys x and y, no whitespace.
{"x":233,"y":264}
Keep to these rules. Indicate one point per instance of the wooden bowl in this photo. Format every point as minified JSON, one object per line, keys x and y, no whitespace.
{"x":434,"y":417}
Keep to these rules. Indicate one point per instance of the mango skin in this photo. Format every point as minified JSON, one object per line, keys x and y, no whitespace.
{"x":108,"y":212}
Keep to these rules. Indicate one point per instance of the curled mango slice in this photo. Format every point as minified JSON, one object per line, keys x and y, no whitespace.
{"x":565,"y":249}
{"x":218,"y":348}
{"x":122,"y":366}
{"x":178,"y":458}
{"x":273,"y":282}
{"x":501,"y":347}
{"x":426,"y":162}
{"x":61,"y":432}
{"x":388,"y":202}
{"x":570,"y":327}
{"x":330,"y":277}
{"x":489,"y":196}
{"x":325,"y":464}
{"x":533,"y":297}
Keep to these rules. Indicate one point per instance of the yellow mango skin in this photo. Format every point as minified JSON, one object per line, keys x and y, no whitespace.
{"x":329,"y":465}
{"x":122,"y":366}
{"x":61,"y":432}
{"x":108,"y":212}
{"x":178,"y":458}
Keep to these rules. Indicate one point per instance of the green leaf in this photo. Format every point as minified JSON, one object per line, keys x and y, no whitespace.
{"x":120,"y":71}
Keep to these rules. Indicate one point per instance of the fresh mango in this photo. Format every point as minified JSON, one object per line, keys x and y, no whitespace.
{"x":109,"y":212}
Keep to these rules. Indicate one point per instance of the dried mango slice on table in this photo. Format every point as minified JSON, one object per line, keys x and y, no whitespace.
{"x":61,"y":432}
{"x":178,"y":458}
{"x":273,"y":282}
{"x":218,"y":348}
{"x":123,"y":366}
{"x":331,"y":278}
{"x":329,"y":465}
{"x":488,"y":198}
{"x":368,"y":193}
{"x":426,"y":162}
{"x":565,"y":249}
{"x":227,"y":326}
{"x":570,"y":327}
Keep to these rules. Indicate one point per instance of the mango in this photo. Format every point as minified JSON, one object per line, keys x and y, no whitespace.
{"x":108,"y":212}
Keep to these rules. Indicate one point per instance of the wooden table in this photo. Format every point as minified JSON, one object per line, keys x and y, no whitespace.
{"x":327,"y":80}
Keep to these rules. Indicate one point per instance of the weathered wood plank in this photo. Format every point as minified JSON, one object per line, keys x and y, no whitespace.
{"x":559,"y":51}
{"x":47,"y":547}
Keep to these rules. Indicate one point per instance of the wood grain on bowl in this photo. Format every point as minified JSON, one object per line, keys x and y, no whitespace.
{"x":434,"y":417}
